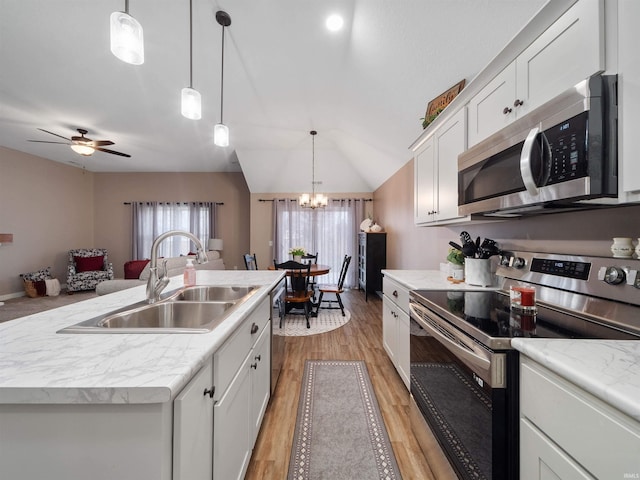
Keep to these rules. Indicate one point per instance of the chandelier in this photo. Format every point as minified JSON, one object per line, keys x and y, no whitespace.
{"x":315,"y":200}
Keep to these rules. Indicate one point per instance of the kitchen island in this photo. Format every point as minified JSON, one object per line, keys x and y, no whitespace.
{"x":102,"y":405}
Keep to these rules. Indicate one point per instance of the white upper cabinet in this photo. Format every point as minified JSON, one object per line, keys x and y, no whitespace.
{"x":569,"y":51}
{"x":436,"y":173}
{"x":628,"y":99}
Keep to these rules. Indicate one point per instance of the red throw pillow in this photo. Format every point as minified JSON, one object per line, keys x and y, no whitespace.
{"x":133,"y":268}
{"x":89,"y":264}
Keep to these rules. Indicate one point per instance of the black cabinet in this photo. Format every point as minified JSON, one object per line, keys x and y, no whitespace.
{"x":372,"y":258}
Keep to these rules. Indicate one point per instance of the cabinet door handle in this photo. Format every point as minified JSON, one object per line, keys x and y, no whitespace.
{"x":518,"y":102}
{"x":254,"y":329}
{"x":210,"y":391}
{"x":258,"y":357}
{"x":507,"y":110}
{"x":395,"y":293}
{"x":254,"y":366}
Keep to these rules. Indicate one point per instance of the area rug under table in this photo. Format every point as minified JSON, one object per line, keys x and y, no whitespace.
{"x":296,"y":325}
{"x":340,"y":434}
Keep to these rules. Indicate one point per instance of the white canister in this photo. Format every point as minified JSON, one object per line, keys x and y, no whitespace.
{"x":622,"y":247}
{"x":477,"y":271}
{"x":638,"y":249}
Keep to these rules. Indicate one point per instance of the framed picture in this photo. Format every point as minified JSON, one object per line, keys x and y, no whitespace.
{"x":438,"y":104}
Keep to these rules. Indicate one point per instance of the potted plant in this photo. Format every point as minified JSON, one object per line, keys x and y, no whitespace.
{"x":456,"y":263}
{"x":297,"y":253}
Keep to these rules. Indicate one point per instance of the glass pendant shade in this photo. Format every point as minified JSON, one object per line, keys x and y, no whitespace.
{"x":191,"y":104}
{"x":304,"y":200}
{"x":126,"y":38}
{"x":85,"y":150}
{"x":221,"y":135}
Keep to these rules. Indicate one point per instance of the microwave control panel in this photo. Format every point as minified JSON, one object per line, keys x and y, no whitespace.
{"x":567,"y":143}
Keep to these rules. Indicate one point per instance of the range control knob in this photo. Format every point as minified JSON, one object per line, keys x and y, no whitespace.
{"x":518,"y":262}
{"x":614,"y":275}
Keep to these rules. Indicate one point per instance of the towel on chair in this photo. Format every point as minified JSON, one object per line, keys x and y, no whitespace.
{"x":53,"y":287}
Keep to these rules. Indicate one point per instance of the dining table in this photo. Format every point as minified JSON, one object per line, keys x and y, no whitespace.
{"x":316,"y":269}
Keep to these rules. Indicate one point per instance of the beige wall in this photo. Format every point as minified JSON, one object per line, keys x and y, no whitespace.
{"x":48,"y":207}
{"x":409,"y":247}
{"x":51,"y":208}
{"x":113,"y":217}
{"x":262,"y":223}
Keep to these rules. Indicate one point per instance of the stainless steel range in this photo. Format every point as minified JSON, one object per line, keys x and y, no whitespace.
{"x":464,"y":372}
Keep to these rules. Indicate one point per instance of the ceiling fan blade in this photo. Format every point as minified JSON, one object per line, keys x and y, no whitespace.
{"x":45,"y":141}
{"x":51,"y":133}
{"x":101,"y":143}
{"x":112,"y":151}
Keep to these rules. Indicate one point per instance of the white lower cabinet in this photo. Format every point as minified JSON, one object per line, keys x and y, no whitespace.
{"x":395,"y":326}
{"x":567,"y":433}
{"x":193,"y":428}
{"x":215,"y":429}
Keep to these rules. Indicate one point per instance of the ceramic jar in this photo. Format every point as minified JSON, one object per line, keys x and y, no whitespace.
{"x":622,"y":247}
{"x":477,"y":271}
{"x":297,"y":258}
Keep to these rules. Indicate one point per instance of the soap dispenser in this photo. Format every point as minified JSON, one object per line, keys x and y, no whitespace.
{"x":189,"y":273}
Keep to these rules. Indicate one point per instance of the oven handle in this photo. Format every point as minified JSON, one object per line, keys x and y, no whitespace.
{"x":474,"y":356}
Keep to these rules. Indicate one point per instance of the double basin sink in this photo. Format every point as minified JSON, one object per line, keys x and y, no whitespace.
{"x":196,"y":309}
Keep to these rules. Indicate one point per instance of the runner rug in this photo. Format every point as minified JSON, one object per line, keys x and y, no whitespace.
{"x":340,"y":434}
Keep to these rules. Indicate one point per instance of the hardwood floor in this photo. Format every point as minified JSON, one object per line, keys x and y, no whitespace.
{"x":360,"y":339}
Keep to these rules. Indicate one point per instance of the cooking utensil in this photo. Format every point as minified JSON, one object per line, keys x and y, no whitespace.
{"x":469,"y":248}
{"x":455,"y":245}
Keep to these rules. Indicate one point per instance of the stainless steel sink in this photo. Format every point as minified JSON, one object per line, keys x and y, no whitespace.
{"x":198,"y":309}
{"x":204,"y":293}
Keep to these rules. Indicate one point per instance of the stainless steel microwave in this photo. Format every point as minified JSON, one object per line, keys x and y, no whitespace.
{"x":560,"y":156}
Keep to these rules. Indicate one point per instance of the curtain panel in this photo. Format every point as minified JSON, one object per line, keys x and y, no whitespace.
{"x":331,"y":231}
{"x":151,"y":219}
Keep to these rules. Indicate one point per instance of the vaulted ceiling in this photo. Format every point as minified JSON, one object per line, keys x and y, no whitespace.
{"x":363,"y":88}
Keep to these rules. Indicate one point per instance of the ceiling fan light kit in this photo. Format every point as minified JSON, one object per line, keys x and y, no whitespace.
{"x":191,"y":98}
{"x":221,"y":131}
{"x":127,"y":42}
{"x":315,"y":200}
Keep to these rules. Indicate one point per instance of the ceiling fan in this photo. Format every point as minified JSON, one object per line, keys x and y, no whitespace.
{"x":83,"y":145}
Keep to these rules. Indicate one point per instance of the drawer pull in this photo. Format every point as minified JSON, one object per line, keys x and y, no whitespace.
{"x":254,"y":366}
{"x":258,"y":357}
{"x":395,"y":293}
{"x":254,"y":329}
{"x":210,"y":391}
{"x":518,"y":102}
{"x":507,"y":110}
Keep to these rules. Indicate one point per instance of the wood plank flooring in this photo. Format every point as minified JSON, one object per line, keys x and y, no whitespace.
{"x":360,"y":339}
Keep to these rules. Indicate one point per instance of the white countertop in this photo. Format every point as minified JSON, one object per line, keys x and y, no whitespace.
{"x":38,"y":365}
{"x":428,"y":280}
{"x":607,"y":369}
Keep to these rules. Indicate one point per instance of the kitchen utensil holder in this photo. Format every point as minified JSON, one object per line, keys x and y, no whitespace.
{"x":477,"y":271}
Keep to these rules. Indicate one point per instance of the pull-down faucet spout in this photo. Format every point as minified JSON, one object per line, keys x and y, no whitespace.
{"x":157,"y":283}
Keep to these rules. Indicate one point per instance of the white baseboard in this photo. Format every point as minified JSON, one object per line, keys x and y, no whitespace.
{"x":12,"y":295}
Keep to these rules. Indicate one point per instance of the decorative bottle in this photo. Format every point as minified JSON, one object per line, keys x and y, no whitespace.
{"x":189,"y":273}
{"x":622,"y":247}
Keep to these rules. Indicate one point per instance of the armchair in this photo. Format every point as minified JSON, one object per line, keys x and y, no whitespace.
{"x":87,"y":267}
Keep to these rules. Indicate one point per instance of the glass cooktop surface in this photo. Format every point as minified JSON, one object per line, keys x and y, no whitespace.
{"x":488,"y":314}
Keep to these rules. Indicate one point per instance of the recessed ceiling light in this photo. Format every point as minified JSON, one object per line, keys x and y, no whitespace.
{"x":334,"y":22}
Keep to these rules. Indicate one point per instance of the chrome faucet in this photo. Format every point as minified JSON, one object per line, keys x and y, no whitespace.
{"x":157,"y":283}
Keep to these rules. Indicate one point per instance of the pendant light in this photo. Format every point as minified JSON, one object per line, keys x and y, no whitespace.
{"x":191,"y":99}
{"x":126,"y":37}
{"x":221,"y":131}
{"x":315,"y":200}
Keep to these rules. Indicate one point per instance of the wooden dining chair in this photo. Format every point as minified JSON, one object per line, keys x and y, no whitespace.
{"x":311,"y":259}
{"x":250,"y":261}
{"x":334,"y":289}
{"x":297,"y":295}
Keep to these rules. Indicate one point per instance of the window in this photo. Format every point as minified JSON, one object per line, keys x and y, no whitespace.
{"x":332,"y":232}
{"x":151,"y":219}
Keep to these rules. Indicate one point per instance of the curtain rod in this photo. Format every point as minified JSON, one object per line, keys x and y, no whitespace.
{"x":332,"y":199}
{"x":167,"y":203}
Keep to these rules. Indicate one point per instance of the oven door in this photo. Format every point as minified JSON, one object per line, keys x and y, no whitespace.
{"x":464,"y":393}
